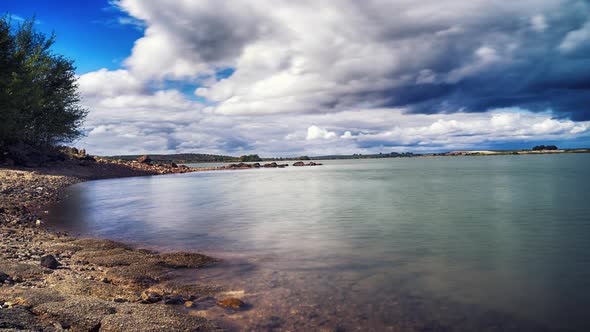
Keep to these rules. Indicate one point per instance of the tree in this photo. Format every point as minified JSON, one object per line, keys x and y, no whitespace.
{"x":7,"y":68}
{"x":39,"y":92}
{"x":544,"y":147}
{"x":250,"y":157}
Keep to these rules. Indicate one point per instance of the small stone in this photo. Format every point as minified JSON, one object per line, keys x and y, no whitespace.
{"x":49,"y":262}
{"x":189,"y":304}
{"x":3,"y":277}
{"x":231,"y":302}
{"x":38,"y":222}
{"x":119,"y":300}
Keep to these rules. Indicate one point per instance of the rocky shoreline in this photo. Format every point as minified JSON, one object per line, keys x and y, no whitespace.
{"x":51,"y":281}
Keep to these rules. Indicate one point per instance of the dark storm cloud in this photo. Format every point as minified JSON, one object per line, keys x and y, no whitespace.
{"x":538,"y":74}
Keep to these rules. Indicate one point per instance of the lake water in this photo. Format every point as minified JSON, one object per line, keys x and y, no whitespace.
{"x":410,"y":244}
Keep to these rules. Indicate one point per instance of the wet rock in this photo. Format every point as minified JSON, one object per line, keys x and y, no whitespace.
{"x":21,"y":270}
{"x":76,"y":313}
{"x":93,"y":288}
{"x":232,"y":303}
{"x":311,"y":163}
{"x":3,"y":277}
{"x":31,"y":297}
{"x":139,"y":276}
{"x":111,"y":257}
{"x":185,"y":260}
{"x":173,"y":299}
{"x":49,"y":262}
{"x":151,"y":297}
{"x":18,"y":318}
{"x":190,"y":292}
{"x":153,"y":318}
{"x":96,"y":244}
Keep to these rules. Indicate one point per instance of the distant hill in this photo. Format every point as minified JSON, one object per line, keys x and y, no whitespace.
{"x":182,"y":158}
{"x":367,"y":156}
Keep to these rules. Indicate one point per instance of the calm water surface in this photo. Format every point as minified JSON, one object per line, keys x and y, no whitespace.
{"x":423,"y":244}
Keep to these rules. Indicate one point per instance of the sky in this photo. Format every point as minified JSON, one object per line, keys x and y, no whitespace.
{"x":287,"y":78}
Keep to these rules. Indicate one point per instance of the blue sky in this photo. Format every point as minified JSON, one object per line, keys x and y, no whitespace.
{"x":87,"y":31}
{"x":283,"y":78}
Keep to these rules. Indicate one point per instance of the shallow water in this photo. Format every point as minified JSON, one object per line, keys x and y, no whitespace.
{"x":423,"y":244}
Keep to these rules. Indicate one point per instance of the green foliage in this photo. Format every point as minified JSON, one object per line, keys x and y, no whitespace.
{"x":303,"y":158}
{"x":39,"y":99}
{"x":250,"y":157}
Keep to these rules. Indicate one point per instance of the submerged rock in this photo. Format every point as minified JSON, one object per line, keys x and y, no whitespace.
{"x":231,"y":302}
{"x":49,"y":262}
{"x":173,"y":299}
{"x":185,"y":260}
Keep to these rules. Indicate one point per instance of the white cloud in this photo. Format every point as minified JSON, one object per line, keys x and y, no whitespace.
{"x":315,"y":132}
{"x":105,"y":83}
{"x":337,"y":76}
{"x":347,"y":135}
{"x":344,"y":54}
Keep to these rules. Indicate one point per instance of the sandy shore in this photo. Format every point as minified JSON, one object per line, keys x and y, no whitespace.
{"x":99,"y":285}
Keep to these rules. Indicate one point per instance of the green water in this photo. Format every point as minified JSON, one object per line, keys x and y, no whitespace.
{"x":411,"y":244}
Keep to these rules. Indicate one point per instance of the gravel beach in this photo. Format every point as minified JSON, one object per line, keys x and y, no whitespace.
{"x":51,"y":281}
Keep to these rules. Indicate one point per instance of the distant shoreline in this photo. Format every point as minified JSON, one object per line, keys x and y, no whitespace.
{"x":504,"y":152}
{"x":195,"y":158}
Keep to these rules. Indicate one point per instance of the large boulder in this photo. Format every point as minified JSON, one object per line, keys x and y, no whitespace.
{"x":299,"y":163}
